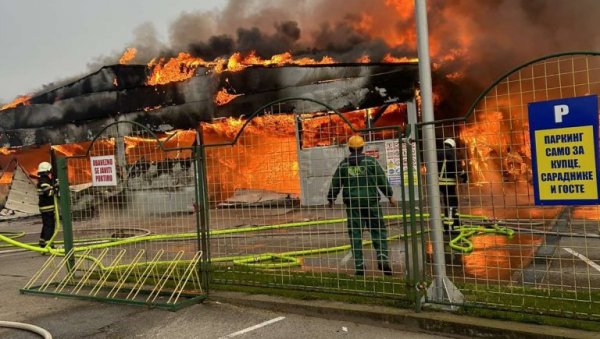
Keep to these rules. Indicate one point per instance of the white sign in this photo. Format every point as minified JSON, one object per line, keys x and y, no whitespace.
{"x":396,"y":166}
{"x":104,"y":171}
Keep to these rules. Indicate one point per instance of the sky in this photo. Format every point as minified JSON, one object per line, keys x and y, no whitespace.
{"x":44,"y":41}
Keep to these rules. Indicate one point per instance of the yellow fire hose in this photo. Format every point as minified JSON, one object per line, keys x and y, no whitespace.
{"x":287,"y":259}
{"x":462,"y":243}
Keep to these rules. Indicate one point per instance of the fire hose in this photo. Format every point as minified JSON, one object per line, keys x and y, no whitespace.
{"x":26,"y":327}
{"x":288,"y":259}
{"x":462,"y":243}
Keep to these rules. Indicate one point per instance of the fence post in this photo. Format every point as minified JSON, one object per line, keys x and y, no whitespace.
{"x":65,"y":208}
{"x":202,"y":209}
{"x":442,"y":289}
{"x":413,"y":243}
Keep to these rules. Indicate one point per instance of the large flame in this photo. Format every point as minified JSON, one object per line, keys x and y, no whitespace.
{"x":265,"y":155}
{"x":184,"y":65}
{"x":178,"y":68}
{"x":20,"y":100}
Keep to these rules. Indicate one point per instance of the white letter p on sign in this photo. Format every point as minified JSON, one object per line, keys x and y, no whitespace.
{"x":559,"y":112}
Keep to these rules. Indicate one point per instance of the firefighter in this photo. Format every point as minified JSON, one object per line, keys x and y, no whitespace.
{"x":46,"y":191}
{"x":361,"y":178}
{"x":449,"y":176}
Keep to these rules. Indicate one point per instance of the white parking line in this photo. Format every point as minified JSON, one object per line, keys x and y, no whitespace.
{"x":584,"y":258}
{"x":252,"y":328}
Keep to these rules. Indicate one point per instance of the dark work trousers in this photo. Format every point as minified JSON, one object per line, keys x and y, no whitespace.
{"x":48,"y":225}
{"x":372,"y":219}
{"x":450,"y":203}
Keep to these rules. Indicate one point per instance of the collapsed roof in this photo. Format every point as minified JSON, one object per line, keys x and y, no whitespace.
{"x":78,"y":111}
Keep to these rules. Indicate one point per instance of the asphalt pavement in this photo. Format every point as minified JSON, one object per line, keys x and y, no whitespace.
{"x":237,"y":315}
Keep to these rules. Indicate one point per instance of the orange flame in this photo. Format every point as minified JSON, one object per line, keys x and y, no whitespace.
{"x":127,"y":56}
{"x":223,"y":97}
{"x":388,"y":58}
{"x":20,"y":100}
{"x":179,"y":68}
{"x":365,"y":59}
{"x":184,"y":65}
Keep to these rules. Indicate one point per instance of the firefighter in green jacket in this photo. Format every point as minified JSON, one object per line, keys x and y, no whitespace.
{"x":361,"y":178}
{"x":46,"y":190}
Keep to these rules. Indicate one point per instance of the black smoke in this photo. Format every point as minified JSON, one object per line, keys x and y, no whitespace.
{"x":472,"y":42}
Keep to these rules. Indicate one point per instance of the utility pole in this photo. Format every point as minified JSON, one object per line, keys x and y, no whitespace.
{"x":441,"y":289}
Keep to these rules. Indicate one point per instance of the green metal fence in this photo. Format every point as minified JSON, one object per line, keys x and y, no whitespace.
{"x":131,"y":232}
{"x":244,"y":202}
{"x":508,"y":253}
{"x":267,"y":180}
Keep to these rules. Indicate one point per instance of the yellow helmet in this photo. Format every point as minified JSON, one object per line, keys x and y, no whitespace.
{"x":356,"y":141}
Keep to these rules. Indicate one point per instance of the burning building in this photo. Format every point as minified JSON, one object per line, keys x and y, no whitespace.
{"x":183,"y":94}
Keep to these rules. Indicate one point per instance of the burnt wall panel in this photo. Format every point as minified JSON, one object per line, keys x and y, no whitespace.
{"x":75,"y":112}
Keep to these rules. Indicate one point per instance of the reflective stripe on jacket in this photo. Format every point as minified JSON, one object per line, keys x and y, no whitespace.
{"x":448,"y":168}
{"x":45,"y":191}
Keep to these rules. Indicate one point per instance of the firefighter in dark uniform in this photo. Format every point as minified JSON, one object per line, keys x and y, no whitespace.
{"x":449,"y":177}
{"x":361,"y":178}
{"x":46,"y":191}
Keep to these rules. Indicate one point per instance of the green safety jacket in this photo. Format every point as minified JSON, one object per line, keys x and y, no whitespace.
{"x":360,"y":178}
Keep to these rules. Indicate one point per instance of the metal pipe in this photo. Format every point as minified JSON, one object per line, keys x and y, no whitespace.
{"x":439,"y":261}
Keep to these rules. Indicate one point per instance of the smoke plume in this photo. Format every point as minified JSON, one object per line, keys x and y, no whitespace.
{"x":471,"y":42}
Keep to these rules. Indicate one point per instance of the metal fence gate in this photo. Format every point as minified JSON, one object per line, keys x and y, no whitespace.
{"x":509,"y":253}
{"x":128,"y":204}
{"x":267,"y":180}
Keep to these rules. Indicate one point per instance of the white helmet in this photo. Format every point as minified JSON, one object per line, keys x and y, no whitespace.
{"x":450,"y":142}
{"x":44,"y":167}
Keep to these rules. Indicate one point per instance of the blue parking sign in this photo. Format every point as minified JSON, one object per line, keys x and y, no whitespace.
{"x":564,"y":151}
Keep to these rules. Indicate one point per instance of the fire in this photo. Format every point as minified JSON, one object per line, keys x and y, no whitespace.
{"x":265,"y":157}
{"x":223,"y":97}
{"x":484,"y":146}
{"x":179,"y":68}
{"x":388,"y":58}
{"x":148,"y":149}
{"x":79,"y":169}
{"x":136,"y":149}
{"x":28,"y":158}
{"x":184,"y":65}
{"x":128,"y":55}
{"x":20,"y":100}
{"x":266,"y":153}
{"x":364,"y":59}
{"x":498,"y":257}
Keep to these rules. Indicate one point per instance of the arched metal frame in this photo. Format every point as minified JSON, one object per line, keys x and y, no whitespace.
{"x":262,"y":108}
{"x":99,"y":134}
{"x":518,"y":68}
